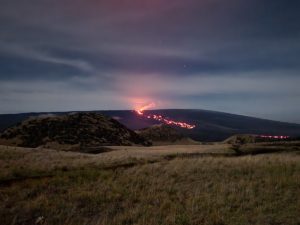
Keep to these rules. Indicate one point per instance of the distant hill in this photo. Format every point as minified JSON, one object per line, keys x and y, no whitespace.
{"x":72,"y":131}
{"x":164,"y":134}
{"x":210,"y":125}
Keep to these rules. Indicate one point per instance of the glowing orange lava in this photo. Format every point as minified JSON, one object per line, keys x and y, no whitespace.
{"x":142,"y":109}
{"x":162,"y":119}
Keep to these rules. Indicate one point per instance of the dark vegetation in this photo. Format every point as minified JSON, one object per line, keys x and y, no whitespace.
{"x":161,"y":132}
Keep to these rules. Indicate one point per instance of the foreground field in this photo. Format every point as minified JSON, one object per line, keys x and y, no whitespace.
{"x":161,"y":185}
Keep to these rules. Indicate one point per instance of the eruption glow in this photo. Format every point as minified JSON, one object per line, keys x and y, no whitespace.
{"x":140,"y":110}
{"x":160,"y":118}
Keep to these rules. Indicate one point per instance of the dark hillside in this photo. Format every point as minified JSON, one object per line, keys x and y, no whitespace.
{"x":210,"y":125}
{"x":70,"y":131}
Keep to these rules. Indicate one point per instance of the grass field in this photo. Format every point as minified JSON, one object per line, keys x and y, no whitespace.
{"x":203,"y":184}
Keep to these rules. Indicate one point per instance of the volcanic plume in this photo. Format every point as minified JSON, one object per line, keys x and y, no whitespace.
{"x":160,"y":118}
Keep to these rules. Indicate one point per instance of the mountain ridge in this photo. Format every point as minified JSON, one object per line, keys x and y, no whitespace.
{"x":210,"y":125}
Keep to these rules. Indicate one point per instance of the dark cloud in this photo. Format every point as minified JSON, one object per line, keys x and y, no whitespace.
{"x":111,"y":48}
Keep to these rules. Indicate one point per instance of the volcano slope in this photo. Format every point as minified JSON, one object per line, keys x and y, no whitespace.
{"x":210,"y":125}
{"x":74,"y":131}
{"x":176,"y":185}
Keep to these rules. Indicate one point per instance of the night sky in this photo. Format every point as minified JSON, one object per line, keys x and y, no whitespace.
{"x":237,"y":56}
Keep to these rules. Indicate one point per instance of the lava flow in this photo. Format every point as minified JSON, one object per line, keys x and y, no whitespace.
{"x":161,"y":118}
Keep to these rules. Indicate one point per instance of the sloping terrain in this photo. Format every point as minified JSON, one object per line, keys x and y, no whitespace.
{"x":71,"y":131}
{"x":210,"y":125}
{"x":217,"y":126}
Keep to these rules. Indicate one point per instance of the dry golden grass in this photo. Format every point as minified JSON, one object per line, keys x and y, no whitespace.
{"x":14,"y":159}
{"x":150,"y":186}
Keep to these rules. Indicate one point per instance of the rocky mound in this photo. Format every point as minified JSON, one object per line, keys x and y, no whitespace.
{"x":164,"y":134}
{"x":72,"y":131}
{"x":241,"y":139}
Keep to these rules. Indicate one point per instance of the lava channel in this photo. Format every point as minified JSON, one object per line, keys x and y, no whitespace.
{"x":162,"y":119}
